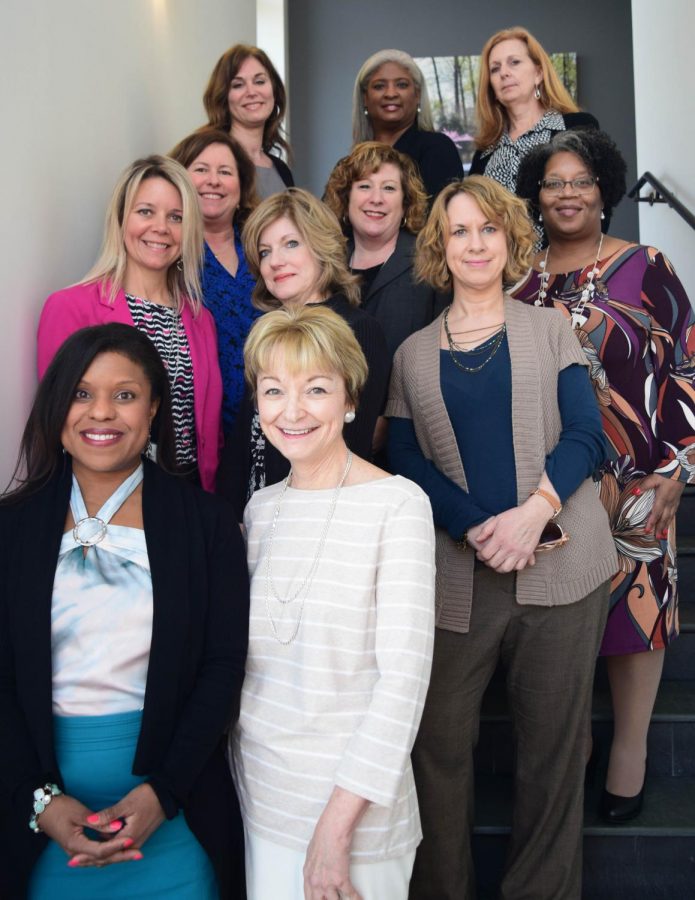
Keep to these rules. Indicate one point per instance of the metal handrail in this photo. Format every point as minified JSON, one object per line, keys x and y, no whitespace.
{"x":660,"y":194}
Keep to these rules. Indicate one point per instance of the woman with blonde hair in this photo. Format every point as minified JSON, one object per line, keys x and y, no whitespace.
{"x":246,"y":98}
{"x":296,"y":251}
{"x":493,"y":415}
{"x":147,"y":275}
{"x":342,"y":563}
{"x":390,"y":104}
{"x":521,"y":103}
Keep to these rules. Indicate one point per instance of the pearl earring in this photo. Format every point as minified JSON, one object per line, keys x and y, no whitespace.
{"x":349,"y":416}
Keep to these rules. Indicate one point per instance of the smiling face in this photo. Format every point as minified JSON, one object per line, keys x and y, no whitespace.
{"x":570,"y":213}
{"x":375,"y":206}
{"x":288,"y":268}
{"x":513,"y":74}
{"x":251,"y":99}
{"x":215,"y":176}
{"x":108,"y":423}
{"x":152,"y":230}
{"x":391,"y":98}
{"x":476,"y":248}
{"x":302,"y":413}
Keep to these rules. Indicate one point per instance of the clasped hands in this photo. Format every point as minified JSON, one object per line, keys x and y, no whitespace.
{"x":506,"y":542}
{"x":125,"y":827}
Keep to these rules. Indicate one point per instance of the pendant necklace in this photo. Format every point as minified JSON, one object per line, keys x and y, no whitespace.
{"x":91,"y":530}
{"x":495,"y":342}
{"x":303,"y":590}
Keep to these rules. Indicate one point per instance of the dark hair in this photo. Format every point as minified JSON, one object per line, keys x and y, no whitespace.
{"x":190,"y":148}
{"x":41,"y":450}
{"x":216,"y":94}
{"x":597,"y":151}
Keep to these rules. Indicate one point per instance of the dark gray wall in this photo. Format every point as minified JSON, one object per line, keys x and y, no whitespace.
{"x":330,"y":39}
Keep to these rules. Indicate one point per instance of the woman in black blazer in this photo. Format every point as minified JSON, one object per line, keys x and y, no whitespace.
{"x":86,"y":646}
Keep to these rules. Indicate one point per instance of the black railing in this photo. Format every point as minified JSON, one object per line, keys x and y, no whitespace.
{"x":660,"y":194}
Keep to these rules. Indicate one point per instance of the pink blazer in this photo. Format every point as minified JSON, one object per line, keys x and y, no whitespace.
{"x":87,"y":304}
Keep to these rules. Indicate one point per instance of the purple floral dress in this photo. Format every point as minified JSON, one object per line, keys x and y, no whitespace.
{"x":637,"y":332}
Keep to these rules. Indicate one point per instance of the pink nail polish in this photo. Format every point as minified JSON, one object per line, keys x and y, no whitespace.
{"x":116,"y":825}
{"x":636,"y":491}
{"x":93,"y":819}
{"x":73,"y":863}
{"x":128,"y":842}
{"x":138,"y":855}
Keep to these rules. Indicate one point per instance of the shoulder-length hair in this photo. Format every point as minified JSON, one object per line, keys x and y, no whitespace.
{"x":310,"y":337}
{"x":491,"y":116}
{"x":190,"y":148}
{"x":498,"y":205}
{"x":365,"y":159}
{"x":321,"y":232}
{"x":216,"y":94}
{"x":598,"y":152}
{"x":183,"y":279}
{"x":361,"y":124}
{"x":41,"y":451}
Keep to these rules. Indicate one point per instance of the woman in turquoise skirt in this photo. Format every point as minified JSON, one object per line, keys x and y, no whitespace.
{"x":123,"y":632}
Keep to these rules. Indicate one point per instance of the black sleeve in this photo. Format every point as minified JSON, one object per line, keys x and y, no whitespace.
{"x":370,"y":335}
{"x":235,"y":463}
{"x":439,"y":163}
{"x":580,"y":120}
{"x":478,"y":163}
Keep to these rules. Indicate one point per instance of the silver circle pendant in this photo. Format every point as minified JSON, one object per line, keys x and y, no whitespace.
{"x":89,"y":531}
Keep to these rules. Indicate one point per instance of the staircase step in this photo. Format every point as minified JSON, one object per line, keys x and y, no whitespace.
{"x":679,"y":662}
{"x":685,"y":518}
{"x":686,"y":569}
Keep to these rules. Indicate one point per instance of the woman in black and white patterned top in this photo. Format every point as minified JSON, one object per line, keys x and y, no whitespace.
{"x":521,"y":103}
{"x":148,"y":276}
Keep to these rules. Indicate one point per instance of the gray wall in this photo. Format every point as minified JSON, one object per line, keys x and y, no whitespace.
{"x":330,"y":39}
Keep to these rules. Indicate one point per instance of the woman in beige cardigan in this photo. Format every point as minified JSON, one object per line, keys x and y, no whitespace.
{"x":492,"y":413}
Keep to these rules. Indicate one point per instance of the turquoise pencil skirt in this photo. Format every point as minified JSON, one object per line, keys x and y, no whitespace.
{"x":95,"y":755}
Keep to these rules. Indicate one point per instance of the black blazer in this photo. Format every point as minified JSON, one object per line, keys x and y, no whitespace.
{"x":397,"y":302}
{"x":572,"y":121}
{"x":435,"y":155}
{"x":196,"y":667}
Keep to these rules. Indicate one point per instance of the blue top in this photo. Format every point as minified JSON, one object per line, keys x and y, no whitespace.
{"x":229,"y":300}
{"x":487,"y":449}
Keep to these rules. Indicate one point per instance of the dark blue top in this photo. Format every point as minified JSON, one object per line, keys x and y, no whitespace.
{"x":229,"y":300}
{"x":484,"y":398}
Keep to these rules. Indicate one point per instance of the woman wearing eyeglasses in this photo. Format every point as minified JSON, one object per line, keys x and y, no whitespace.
{"x":634,"y":321}
{"x":492,"y":414}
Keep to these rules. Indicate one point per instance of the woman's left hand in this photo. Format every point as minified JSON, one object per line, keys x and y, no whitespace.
{"x":667,"y":496}
{"x":136,"y":816}
{"x":507,"y":541}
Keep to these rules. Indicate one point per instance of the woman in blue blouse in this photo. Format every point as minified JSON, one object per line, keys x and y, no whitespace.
{"x":225,"y":181}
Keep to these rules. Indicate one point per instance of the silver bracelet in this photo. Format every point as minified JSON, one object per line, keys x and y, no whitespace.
{"x":42,"y":797}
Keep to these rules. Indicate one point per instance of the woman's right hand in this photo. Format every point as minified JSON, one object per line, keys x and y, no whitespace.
{"x":64,"y":821}
{"x":507,"y":542}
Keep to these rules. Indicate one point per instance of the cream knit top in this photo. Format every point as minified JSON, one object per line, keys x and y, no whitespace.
{"x":340,"y":704}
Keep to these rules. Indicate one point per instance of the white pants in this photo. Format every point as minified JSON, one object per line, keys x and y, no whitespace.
{"x":274,"y":872}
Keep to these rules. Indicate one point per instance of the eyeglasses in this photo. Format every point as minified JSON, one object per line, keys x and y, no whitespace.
{"x":580,"y":185}
{"x":551,"y":537}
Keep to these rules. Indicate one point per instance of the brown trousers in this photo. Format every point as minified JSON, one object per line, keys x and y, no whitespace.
{"x":549,"y":654}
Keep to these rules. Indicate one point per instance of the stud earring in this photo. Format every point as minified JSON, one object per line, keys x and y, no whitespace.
{"x":540,"y":217}
{"x":603,"y":215}
{"x":366,"y":112}
{"x":419,"y":110}
{"x":349,"y":416}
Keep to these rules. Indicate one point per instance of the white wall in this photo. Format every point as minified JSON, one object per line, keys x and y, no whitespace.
{"x":665,"y":124}
{"x":86,"y":87}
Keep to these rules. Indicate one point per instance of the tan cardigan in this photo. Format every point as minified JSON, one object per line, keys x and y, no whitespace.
{"x":541,"y":344}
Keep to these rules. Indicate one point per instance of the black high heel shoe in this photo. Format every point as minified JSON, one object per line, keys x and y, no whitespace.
{"x":616,"y":809}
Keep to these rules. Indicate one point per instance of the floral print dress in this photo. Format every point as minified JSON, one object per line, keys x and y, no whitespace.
{"x":637,"y":332}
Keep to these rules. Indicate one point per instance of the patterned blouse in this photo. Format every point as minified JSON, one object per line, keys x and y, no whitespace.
{"x":163,"y":326}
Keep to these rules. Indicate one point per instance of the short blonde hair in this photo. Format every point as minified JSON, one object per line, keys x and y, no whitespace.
{"x":183,"y":281}
{"x":365,"y":159}
{"x":321,"y":232}
{"x":361,"y":125}
{"x":310,"y":337}
{"x":490,"y":115}
{"x":498,"y":205}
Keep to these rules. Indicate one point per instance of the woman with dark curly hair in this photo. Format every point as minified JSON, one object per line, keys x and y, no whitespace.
{"x":635,"y":324}
{"x":225,"y":181}
{"x":246,"y":98}
{"x":379,"y":199}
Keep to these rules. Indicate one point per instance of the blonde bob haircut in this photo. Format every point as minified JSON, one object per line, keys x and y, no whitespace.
{"x":183,"y":278}
{"x":499,"y":206}
{"x":365,"y":159}
{"x":311,"y":339}
{"x":361,"y":124}
{"x":491,"y":116}
{"x":320,"y":231}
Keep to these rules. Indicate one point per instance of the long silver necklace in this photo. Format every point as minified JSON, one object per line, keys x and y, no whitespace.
{"x":577,"y":316}
{"x":303,"y":590}
{"x":453,"y":346}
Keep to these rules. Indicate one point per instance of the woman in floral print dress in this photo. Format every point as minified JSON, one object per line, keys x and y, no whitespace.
{"x":633,"y":318}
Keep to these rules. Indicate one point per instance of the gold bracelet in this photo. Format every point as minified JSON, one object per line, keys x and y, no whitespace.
{"x":553,"y":501}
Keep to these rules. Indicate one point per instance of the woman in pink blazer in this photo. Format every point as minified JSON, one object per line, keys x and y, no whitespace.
{"x":147,"y":276}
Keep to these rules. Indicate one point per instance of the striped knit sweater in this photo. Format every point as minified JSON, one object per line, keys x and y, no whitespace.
{"x":340,"y":704}
{"x":541,"y":344}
